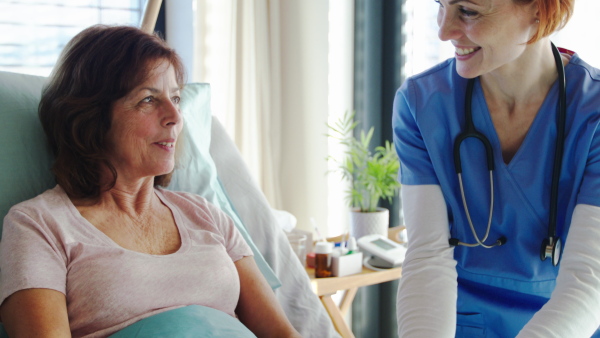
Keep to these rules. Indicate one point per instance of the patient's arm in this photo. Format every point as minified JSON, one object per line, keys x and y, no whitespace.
{"x":258,"y":308}
{"x":35,"y":313}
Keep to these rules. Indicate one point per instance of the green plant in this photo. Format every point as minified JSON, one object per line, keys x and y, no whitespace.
{"x":372,"y":175}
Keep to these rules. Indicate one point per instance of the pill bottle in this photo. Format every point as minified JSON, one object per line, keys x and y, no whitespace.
{"x":323,"y":252}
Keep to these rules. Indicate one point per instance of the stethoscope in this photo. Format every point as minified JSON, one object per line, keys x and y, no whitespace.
{"x":551,"y":246}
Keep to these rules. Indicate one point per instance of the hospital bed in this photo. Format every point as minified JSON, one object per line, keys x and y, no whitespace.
{"x":212,"y":167}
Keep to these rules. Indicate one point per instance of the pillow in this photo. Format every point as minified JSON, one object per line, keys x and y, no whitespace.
{"x":301,"y":305}
{"x":188,"y":321}
{"x":196,"y":171}
{"x":26,"y":158}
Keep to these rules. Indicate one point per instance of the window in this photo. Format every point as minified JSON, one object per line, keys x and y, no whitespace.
{"x":578,"y":35}
{"x":422,"y":49}
{"x":34,"y":32}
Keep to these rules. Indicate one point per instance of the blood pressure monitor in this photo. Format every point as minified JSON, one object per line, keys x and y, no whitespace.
{"x":383,"y":249}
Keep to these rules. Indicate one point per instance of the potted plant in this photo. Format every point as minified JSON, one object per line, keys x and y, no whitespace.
{"x":373,"y":176}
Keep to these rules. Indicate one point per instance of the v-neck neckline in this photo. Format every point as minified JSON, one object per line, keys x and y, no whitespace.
{"x":539,"y":120}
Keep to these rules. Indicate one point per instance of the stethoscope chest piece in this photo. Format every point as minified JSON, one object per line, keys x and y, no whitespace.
{"x":551,"y":248}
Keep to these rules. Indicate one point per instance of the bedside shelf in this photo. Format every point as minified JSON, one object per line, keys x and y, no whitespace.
{"x":326,"y":287}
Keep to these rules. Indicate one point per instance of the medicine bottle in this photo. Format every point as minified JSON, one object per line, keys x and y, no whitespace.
{"x":352,"y":246}
{"x":323,"y":252}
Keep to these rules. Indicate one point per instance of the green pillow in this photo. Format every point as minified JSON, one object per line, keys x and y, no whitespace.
{"x":26,"y":158}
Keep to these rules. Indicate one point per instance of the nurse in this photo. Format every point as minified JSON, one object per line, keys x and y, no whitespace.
{"x":507,"y":290}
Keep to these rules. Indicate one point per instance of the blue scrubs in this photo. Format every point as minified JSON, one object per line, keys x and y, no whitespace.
{"x":500,"y":288}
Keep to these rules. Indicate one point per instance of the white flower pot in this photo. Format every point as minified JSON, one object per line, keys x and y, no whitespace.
{"x":368,"y":223}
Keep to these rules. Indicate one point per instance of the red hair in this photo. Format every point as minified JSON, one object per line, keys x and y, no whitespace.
{"x":553,"y":15}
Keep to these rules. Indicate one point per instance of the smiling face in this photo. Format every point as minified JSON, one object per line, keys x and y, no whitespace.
{"x":145,"y":125}
{"x":487,"y":34}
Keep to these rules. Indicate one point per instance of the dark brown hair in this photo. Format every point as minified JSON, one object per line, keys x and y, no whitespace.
{"x":97,"y":67}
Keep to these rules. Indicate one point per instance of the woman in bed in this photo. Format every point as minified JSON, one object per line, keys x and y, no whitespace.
{"x":108,"y":246}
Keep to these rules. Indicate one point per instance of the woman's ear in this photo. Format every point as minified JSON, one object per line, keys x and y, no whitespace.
{"x":535,"y":10}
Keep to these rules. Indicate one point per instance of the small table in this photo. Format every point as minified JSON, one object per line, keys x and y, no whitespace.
{"x":326,"y":287}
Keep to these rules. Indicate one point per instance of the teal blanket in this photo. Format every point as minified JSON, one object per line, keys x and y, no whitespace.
{"x":185,"y":322}
{"x":189,"y":321}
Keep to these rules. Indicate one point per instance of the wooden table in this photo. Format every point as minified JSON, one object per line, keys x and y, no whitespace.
{"x":326,"y":287}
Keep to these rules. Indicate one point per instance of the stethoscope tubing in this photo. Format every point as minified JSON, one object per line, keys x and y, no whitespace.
{"x":480,"y":242}
{"x":550,"y":244}
{"x":560,"y":142}
{"x":470,"y":131}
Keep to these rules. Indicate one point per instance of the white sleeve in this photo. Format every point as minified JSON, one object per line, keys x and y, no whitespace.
{"x":574,"y":307}
{"x":426,"y":302}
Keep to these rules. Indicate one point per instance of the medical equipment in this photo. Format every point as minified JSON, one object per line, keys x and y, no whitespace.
{"x":551,"y":246}
{"x":383,"y":248}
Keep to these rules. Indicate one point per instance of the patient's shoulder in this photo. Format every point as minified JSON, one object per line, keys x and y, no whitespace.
{"x":52,"y":203}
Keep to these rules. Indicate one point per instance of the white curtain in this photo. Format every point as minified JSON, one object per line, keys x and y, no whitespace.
{"x":278,"y":69}
{"x":237,"y":48}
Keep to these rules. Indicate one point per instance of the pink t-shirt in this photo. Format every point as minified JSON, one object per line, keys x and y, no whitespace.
{"x":46,"y":243}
